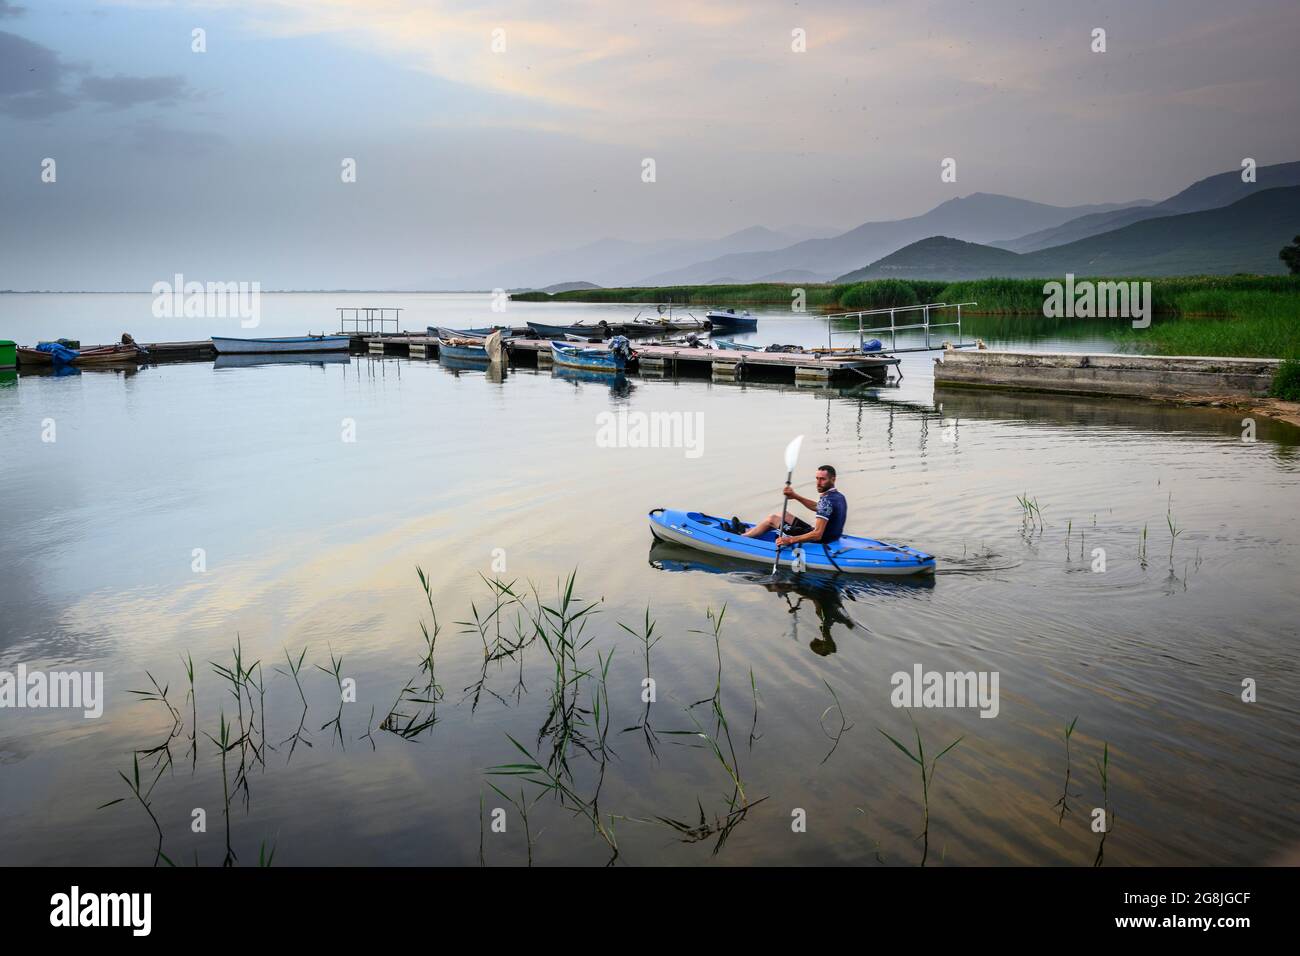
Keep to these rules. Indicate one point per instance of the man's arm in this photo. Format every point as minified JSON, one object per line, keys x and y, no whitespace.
{"x":806,"y":502}
{"x":814,"y":535}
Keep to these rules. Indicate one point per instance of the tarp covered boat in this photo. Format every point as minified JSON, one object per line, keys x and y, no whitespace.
{"x":491,"y":347}
{"x":64,"y":352}
{"x":848,"y":555}
{"x":442,"y":332}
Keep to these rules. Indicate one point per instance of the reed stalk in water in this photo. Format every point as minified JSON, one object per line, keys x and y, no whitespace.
{"x":335,"y":670}
{"x":927,"y":776}
{"x":1103,"y":771}
{"x":648,"y":640}
{"x":142,"y":797}
{"x":1174,"y":533}
{"x":844,"y":727}
{"x":1065,"y":792}
{"x":193,"y":701}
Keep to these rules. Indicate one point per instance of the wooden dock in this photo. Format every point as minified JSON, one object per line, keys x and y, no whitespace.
{"x":726,"y":364}
{"x":824,"y":367}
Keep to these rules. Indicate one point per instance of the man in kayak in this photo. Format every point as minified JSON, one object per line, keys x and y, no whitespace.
{"x":831,"y":508}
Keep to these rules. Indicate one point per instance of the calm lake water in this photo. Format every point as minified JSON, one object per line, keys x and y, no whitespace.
{"x":311,"y":542}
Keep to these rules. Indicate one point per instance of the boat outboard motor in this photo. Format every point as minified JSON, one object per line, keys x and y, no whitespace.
{"x":620,"y":345}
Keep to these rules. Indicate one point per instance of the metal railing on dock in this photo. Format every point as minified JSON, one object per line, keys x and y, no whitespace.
{"x":893,"y":328}
{"x":364,"y":319}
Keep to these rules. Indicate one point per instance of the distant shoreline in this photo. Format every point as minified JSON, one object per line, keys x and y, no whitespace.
{"x":1236,"y":315}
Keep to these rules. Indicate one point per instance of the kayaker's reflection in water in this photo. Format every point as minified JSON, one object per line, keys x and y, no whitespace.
{"x":826,"y":593}
{"x":826,"y":602}
{"x":831,"y":510}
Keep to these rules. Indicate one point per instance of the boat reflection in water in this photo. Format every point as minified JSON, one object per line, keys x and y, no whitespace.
{"x":252,"y":360}
{"x":825,"y":593}
{"x":618,"y":383}
{"x":495,"y":372}
{"x":73,"y":371}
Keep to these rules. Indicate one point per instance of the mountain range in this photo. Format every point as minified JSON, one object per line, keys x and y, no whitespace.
{"x":1211,"y":193}
{"x":980,"y":217}
{"x":973,"y":236}
{"x":1242,"y":237}
{"x":610,"y":262}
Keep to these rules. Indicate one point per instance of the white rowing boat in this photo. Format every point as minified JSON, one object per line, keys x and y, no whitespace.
{"x":294,"y":343}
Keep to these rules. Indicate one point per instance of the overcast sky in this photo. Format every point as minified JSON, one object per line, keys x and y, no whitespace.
{"x":225,"y":165}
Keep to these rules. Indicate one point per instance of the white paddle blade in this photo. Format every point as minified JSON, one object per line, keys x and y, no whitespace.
{"x":792,"y":453}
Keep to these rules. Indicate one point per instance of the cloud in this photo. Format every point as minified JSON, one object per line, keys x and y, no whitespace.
{"x":630,"y":74}
{"x":30,"y":77}
{"x":33,"y":83}
{"x":7,"y":9}
{"x":122,"y":92}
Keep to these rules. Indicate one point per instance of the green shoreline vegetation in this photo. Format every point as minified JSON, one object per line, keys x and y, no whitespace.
{"x":1245,"y":316}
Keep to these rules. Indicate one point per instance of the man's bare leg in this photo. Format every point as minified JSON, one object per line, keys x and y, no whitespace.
{"x":764,"y":526}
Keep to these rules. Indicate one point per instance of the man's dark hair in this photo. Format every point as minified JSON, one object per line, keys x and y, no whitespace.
{"x":829,"y":469}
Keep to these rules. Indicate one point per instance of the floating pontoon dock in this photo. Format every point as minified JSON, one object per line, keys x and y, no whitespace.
{"x":367,"y":328}
{"x":818,"y":367}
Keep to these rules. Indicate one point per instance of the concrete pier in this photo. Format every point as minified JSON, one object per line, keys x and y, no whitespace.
{"x":1142,"y":376}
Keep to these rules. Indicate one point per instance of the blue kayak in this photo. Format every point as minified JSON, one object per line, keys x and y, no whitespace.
{"x":848,"y":555}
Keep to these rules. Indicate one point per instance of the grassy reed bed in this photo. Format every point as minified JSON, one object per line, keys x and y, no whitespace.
{"x":558,"y":751}
{"x":571,"y":750}
{"x":1225,"y":322}
{"x":1170,"y":295}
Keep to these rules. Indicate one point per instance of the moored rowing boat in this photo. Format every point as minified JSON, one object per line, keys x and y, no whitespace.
{"x":733,"y":346}
{"x":488,"y":349}
{"x":295,"y":343}
{"x":443,"y":332}
{"x":613,"y":359}
{"x":110,"y":355}
{"x":465,"y":349}
{"x":28,"y":356}
{"x":731,"y":320}
{"x":599,"y":330}
{"x":120,"y":354}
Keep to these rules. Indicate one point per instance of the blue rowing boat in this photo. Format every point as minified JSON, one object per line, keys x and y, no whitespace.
{"x":612,"y":359}
{"x":848,"y":555}
{"x":461,"y":349}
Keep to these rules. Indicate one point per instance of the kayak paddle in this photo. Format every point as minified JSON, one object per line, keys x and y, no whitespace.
{"x":791,"y":459}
